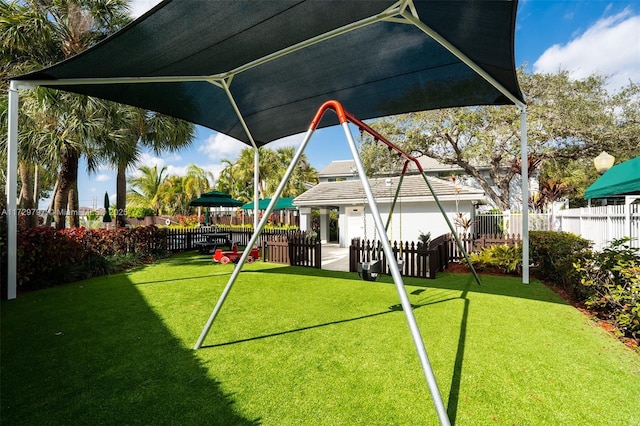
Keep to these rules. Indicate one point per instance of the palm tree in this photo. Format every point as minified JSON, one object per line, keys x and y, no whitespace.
{"x":35,"y":34}
{"x":172,"y":196}
{"x":196,"y":181}
{"x":237,"y":177}
{"x":130,"y":129}
{"x":302,"y":175}
{"x":145,"y":189}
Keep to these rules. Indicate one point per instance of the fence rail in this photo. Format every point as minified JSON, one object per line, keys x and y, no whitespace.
{"x":510,"y":223}
{"x":417,"y":260}
{"x":293,"y":249}
{"x":183,"y":239}
{"x":280,"y":246}
{"x":602,"y":224}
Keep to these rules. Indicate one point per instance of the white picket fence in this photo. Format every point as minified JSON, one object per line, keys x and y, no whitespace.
{"x":603,"y":224}
{"x":600,"y":224}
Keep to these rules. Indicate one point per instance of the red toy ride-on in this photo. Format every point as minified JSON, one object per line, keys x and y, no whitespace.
{"x":234,"y":255}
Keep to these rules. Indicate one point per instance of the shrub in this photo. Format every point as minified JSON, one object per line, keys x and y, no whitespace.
{"x":138,"y":212}
{"x":554,"y":253}
{"x":610,"y":283}
{"x":504,"y":257}
{"x":48,"y":257}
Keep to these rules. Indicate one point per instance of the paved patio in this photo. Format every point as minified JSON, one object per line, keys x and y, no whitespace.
{"x":335,"y":258}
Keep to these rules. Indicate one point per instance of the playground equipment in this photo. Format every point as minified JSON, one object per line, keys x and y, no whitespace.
{"x":234,"y":255}
{"x":345,"y":118}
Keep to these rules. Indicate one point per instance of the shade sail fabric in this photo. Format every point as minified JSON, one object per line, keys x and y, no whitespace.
{"x":621,"y":179}
{"x":199,"y":47}
{"x":215,"y":199}
{"x":284,"y":203}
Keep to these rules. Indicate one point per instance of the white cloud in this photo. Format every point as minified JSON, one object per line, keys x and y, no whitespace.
{"x":611,"y":47}
{"x":218,"y":146}
{"x":293,"y":140}
{"x":138,"y":7}
{"x":103,"y":178}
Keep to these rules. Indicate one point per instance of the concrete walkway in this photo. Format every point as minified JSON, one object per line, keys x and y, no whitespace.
{"x":335,"y":258}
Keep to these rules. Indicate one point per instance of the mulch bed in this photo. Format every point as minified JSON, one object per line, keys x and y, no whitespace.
{"x":568,"y":297}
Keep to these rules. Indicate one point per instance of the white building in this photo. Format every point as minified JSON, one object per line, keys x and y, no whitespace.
{"x":415,"y":213}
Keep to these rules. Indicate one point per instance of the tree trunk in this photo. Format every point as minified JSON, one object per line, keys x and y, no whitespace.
{"x":121,"y":196}
{"x":54,"y":194}
{"x":67,"y":178}
{"x":74,"y":204}
{"x":26,"y":195}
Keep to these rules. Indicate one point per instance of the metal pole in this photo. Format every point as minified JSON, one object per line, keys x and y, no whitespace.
{"x":525,"y":194}
{"x":453,"y":231}
{"x":256,"y":191}
{"x":12,"y":189}
{"x":253,"y":240}
{"x":397,"y":279}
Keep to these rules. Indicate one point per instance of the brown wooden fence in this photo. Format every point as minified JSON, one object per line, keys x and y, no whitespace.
{"x":293,"y":249}
{"x":425,"y":262}
{"x":182,"y":239}
{"x":280,"y":246}
{"x":417,"y":260}
{"x":473,"y":244}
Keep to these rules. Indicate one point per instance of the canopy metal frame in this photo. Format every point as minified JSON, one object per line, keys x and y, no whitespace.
{"x":402,"y":12}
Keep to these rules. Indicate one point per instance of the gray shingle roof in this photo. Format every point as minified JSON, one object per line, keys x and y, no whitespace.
{"x":413,"y":189}
{"x":430,"y":165}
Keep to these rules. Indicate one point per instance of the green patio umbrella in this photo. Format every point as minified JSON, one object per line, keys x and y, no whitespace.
{"x":215,"y":199}
{"x":107,"y":217}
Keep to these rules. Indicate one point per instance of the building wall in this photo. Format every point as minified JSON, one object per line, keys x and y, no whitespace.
{"x":416,"y":218}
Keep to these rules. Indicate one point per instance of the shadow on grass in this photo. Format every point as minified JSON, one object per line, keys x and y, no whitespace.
{"x":509,"y":286}
{"x":392,"y":309}
{"x":465,"y":283}
{"x":95,"y":353}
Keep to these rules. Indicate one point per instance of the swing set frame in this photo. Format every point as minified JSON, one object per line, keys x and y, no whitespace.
{"x":344,"y":117}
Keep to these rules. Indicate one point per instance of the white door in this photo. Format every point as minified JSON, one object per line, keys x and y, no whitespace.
{"x":355,"y":223}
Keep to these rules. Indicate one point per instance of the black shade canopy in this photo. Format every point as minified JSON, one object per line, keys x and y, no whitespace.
{"x":277,"y":61}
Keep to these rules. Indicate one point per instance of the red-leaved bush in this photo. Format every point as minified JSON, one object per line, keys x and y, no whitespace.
{"x":48,"y":257}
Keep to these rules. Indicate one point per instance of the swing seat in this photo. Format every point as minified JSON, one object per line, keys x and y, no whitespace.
{"x":369,"y":271}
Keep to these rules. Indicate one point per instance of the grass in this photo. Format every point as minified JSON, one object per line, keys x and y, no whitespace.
{"x":300,"y":346}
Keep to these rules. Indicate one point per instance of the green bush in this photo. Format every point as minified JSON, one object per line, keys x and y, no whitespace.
{"x":554,"y":253}
{"x":138,"y":212}
{"x":610,"y":283}
{"x":506,"y":258}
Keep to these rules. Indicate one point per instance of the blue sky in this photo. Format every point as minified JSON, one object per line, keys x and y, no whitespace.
{"x":577,"y":35}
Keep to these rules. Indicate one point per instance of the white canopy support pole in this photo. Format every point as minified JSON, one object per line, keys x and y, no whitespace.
{"x":12,"y":189}
{"x":397,"y":279}
{"x":254,"y":239}
{"x":256,"y":190}
{"x":525,"y":194}
{"x":225,"y":84}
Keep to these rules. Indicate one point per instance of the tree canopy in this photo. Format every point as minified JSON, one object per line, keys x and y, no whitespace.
{"x":236,"y":178}
{"x":569,"y":123}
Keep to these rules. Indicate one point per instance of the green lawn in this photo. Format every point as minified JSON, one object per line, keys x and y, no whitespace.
{"x":296,"y":346}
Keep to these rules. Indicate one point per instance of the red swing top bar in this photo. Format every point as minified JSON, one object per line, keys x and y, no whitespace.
{"x":345,"y":116}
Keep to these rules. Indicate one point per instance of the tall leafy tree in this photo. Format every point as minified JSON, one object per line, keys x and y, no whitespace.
{"x":569,"y":123}
{"x":178,"y":191}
